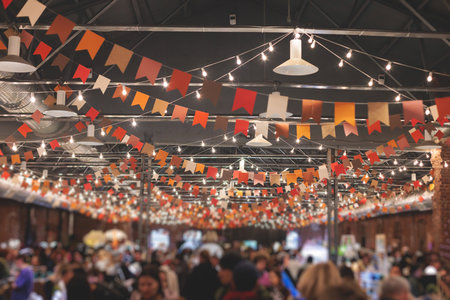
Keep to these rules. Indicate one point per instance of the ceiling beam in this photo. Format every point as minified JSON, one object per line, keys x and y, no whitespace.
{"x":244,"y":29}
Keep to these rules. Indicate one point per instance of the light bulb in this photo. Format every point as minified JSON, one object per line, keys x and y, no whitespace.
{"x":395,"y":162}
{"x":389,"y":66}
{"x":445,"y":164}
{"x":124,"y":90}
{"x":14,"y":147}
{"x":292,"y":151}
{"x":397,"y":98}
{"x":71,"y":140}
{"x":270,"y":47}
{"x":43,"y":144}
{"x":311,"y":38}
{"x":32,"y":98}
{"x":309,"y":159}
{"x":234,"y":139}
{"x":370,"y":82}
{"x":297,"y":141}
{"x":203,"y":144}
{"x":100,"y":156}
{"x":165,"y":84}
{"x":416,"y":162}
{"x":349,"y":53}
{"x":80,"y":95}
{"x":297,"y":35}
{"x":225,"y":137}
{"x":341,"y":63}
{"x":204,"y":181}
{"x":204,"y":74}
{"x":128,"y":155}
{"x":421,"y":164}
{"x":427,"y":111}
{"x":313,"y":44}
{"x":263,"y":56}
{"x":238,"y":60}
{"x":179,"y":149}
{"x":430,"y":77}
{"x":45,"y":152}
{"x":73,"y":154}
{"x":133,"y":122}
{"x":320,"y":147}
{"x":393,"y":172}
{"x":427,"y":155}
{"x":213,"y":150}
{"x":102,"y":132}
{"x":197,"y":94}
{"x":278,"y":139}
{"x":230,"y":77}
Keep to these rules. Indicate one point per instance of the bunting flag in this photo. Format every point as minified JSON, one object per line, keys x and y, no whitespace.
{"x":350,"y":129}
{"x":241,"y":126}
{"x":102,"y":83}
{"x":328,"y":129}
{"x":413,"y":111}
{"x":37,"y":116}
{"x":79,"y":103}
{"x":374,"y":127}
{"x":160,"y":106}
{"x":179,"y":81}
{"x":277,"y":106}
{"x":262,"y":128}
{"x":50,"y":101}
{"x":60,"y":61}
{"x":211,"y":90}
{"x":282,"y":129}
{"x":211,"y":172}
{"x":62,"y":27}
{"x":344,"y":111}
{"x":43,"y":50}
{"x":378,"y":111}
{"x":443,"y":107}
{"x":221,"y":123}
{"x":304,"y":130}
{"x":6,"y":3}
{"x":140,"y":99}
{"x":201,"y":118}
{"x":416,"y":134}
{"x":121,"y":92}
{"x":92,"y":114}
{"x":395,"y":121}
{"x":54,"y":144}
{"x":244,"y":99}
{"x":26,"y":38}
{"x":90,"y":42}
{"x":82,"y":73}
{"x":32,"y":9}
{"x":24,"y":130}
{"x":148,"y":68}
{"x":311,"y":109}
{"x":120,"y":57}
{"x":179,"y":112}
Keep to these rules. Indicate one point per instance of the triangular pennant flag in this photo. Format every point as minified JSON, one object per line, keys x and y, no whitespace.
{"x":211,"y":90}
{"x":179,"y":112}
{"x":160,"y":106}
{"x":311,"y":109}
{"x":102,"y":83}
{"x":282,"y":129}
{"x":60,"y":61}
{"x":82,"y":72}
{"x":6,"y":3}
{"x":201,"y":118}
{"x":262,"y":128}
{"x":54,"y":144}
{"x":2,"y":46}
{"x":241,"y":126}
{"x":121,"y":92}
{"x":148,"y":68}
{"x":140,"y":99}
{"x":378,"y":111}
{"x":26,"y":38}
{"x":37,"y":116}
{"x":374,"y":127}
{"x":119,"y":133}
{"x":120,"y":57}
{"x":179,"y":81}
{"x":413,"y":111}
{"x":80,"y":126}
{"x":443,"y":107}
{"x":90,"y":42}
{"x":62,"y":27}
{"x":221,"y":123}
{"x":395,"y":121}
{"x":277,"y":106}
{"x":328,"y":129}
{"x":304,"y":130}
{"x":350,"y":129}
{"x":43,"y":50}
{"x":244,"y":99}
{"x":344,"y":111}
{"x":24,"y":130}
{"x":32,"y":9}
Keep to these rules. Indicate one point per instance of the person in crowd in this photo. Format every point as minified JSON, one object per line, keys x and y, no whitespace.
{"x":203,"y":281}
{"x":395,"y":270}
{"x":347,"y":290}
{"x":78,"y":286}
{"x":149,"y":285}
{"x":346,"y":273}
{"x":23,"y":285}
{"x":169,"y":293}
{"x":317,"y":278}
{"x":277,"y":290}
{"x":4,"y":273}
{"x":103,"y":291}
{"x":308,"y":263}
{"x":64,"y":274}
{"x":226,"y":265}
{"x":182,"y":270}
{"x":260,"y":262}
{"x":169,"y":280}
{"x":395,"y":288}
{"x":245,"y":277}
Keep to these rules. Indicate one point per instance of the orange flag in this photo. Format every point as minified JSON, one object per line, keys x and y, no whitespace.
{"x":179,"y":112}
{"x":160,"y":106}
{"x":344,"y":111}
{"x":90,"y":42}
{"x":282,"y":129}
{"x":303,"y":130}
{"x":140,"y":99}
{"x":62,"y":27}
{"x":120,"y":57}
{"x":201,"y":118}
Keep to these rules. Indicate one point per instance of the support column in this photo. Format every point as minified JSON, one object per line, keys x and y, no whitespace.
{"x":441,"y":204}
{"x":141,"y":203}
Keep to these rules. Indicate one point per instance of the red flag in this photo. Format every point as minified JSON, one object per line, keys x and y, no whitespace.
{"x":92,"y":113}
{"x":179,"y":81}
{"x":6,"y":3}
{"x":212,"y":172}
{"x":201,"y":118}
{"x":374,"y":127}
{"x":244,"y":99}
{"x":119,"y":133}
{"x":37,"y":116}
{"x":43,"y":50}
{"x":62,"y":27}
{"x":241,"y":126}
{"x":148,"y":68}
{"x":80,"y":126}
{"x":24,"y":130}
{"x":54,"y":144}
{"x":82,"y":72}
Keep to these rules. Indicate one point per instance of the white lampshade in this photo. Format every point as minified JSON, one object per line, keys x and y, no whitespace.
{"x":90,"y":139}
{"x":296,"y":66}
{"x":259,"y":141}
{"x":12,"y":62}
{"x":60,"y":109}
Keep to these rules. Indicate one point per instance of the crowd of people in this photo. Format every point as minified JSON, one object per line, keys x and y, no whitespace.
{"x":238,"y":274}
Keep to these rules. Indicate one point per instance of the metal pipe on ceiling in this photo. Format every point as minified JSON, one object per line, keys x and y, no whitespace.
{"x":292,"y":85}
{"x":246,"y":29}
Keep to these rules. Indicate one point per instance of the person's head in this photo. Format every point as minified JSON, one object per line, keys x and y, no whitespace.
{"x":20,"y":261}
{"x":78,"y":286}
{"x":245,"y":276}
{"x":346,"y":273}
{"x":66,"y":272}
{"x":204,"y":256}
{"x":260,"y":263}
{"x":163,"y":278}
{"x":317,"y":278}
{"x":395,"y":288}
{"x":275,"y":277}
{"x":395,"y":271}
{"x":345,"y":291}
{"x":149,"y":283}
{"x":227,"y":263}
{"x":310,"y":259}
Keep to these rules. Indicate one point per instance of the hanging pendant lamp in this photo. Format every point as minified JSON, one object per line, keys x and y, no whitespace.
{"x":60,"y":109}
{"x":12,"y":62}
{"x":296,"y":66}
